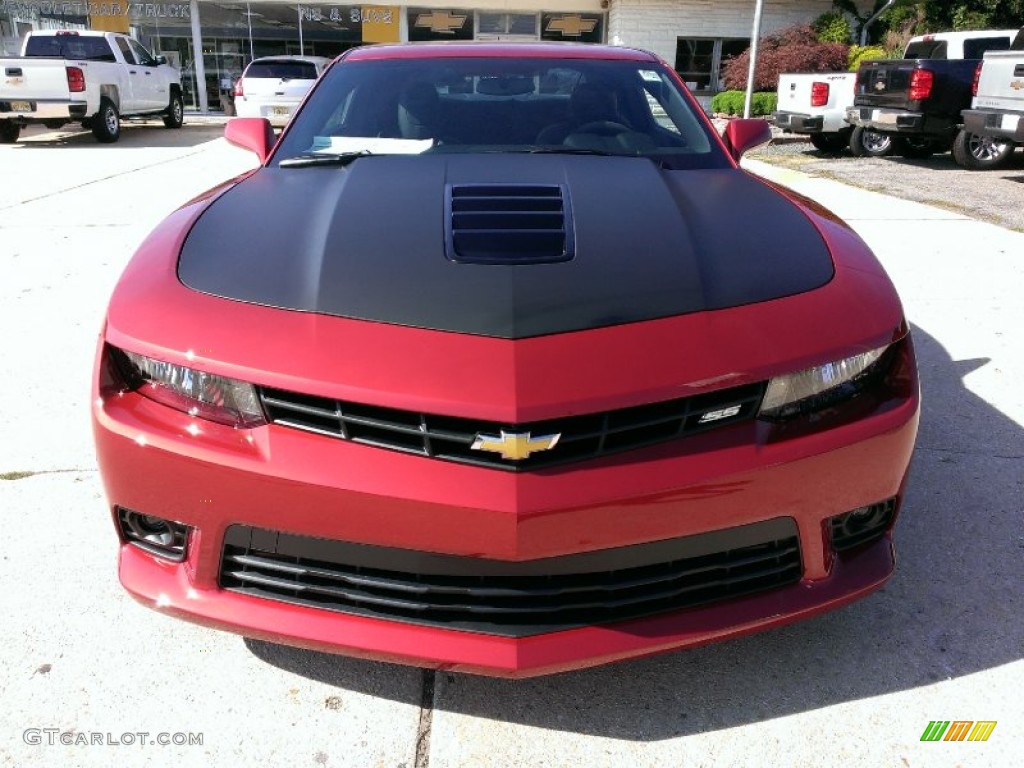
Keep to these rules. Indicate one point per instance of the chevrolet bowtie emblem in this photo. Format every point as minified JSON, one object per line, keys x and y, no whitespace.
{"x":571,"y":26}
{"x":514,"y":446}
{"x":880,"y":85}
{"x":1017,"y":84}
{"x":443,"y":22}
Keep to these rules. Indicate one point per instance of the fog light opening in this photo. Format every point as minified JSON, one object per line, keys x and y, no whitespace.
{"x":163,"y":538}
{"x":862,"y":525}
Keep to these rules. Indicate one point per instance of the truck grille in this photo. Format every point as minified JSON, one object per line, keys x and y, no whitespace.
{"x":452,"y":439}
{"x":514,"y":599}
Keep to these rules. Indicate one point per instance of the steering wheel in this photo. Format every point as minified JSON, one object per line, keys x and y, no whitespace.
{"x":603,"y":128}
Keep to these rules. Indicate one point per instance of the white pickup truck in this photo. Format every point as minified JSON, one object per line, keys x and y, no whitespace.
{"x":994,"y":124}
{"x":816,"y":104}
{"x":88,"y":77}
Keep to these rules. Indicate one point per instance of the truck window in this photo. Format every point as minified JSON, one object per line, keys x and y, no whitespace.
{"x":926,"y":49}
{"x":126,"y":51}
{"x":975,"y":49}
{"x":1018,"y":41}
{"x":70,"y":47}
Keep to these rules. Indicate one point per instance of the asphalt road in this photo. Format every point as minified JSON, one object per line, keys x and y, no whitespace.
{"x":856,"y":687}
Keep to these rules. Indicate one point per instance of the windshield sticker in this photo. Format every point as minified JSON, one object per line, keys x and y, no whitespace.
{"x":339,"y":145}
{"x":650,"y":75}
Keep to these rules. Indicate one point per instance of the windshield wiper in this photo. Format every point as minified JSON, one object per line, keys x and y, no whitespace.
{"x":573,"y":151}
{"x":304,"y":161}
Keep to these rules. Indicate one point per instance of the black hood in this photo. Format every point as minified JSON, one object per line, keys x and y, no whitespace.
{"x":375,"y":241}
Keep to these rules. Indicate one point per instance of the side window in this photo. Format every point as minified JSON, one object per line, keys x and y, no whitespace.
{"x":126,"y":51}
{"x":144,"y":57}
{"x":975,"y":49}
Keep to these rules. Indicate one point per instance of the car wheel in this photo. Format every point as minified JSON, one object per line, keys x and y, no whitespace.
{"x":865,"y":142}
{"x":175,"y":114}
{"x":9,"y":132}
{"x":914,"y":147}
{"x":830,"y":143}
{"x":106,"y":123}
{"x":979,"y":153}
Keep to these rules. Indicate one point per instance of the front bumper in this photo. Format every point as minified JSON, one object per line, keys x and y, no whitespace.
{"x":997,"y":124}
{"x":156,"y":461}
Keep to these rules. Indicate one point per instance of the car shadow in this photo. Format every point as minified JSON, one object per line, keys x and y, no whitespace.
{"x":148,"y":134}
{"x":952,"y":608}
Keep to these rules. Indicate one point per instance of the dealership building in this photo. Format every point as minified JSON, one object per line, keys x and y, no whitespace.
{"x":212,"y":40}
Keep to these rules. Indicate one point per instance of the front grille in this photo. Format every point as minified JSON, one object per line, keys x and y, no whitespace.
{"x":514,"y":599}
{"x":452,"y":438}
{"x":508,"y":224}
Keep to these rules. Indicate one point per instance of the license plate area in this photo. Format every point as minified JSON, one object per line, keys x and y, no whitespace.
{"x":21,"y":106}
{"x":280,"y":111}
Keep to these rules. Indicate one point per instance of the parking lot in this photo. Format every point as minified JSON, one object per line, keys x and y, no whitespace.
{"x":944,"y":640}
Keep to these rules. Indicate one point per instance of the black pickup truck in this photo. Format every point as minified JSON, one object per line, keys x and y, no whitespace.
{"x":917,"y":101}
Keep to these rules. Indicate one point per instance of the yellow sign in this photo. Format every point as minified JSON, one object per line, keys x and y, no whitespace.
{"x":571,"y":26}
{"x":380,"y":24}
{"x":444,"y":22}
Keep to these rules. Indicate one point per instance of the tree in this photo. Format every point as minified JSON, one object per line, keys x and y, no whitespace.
{"x":794,"y":49}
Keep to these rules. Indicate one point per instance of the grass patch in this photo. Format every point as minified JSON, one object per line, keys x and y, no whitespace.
{"x":15,"y":475}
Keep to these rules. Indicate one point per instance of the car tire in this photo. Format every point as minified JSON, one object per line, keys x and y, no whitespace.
{"x":9,"y":132}
{"x":980,"y":153}
{"x":865,"y":142}
{"x":830,"y":143}
{"x":174,"y":116}
{"x":106,"y":123}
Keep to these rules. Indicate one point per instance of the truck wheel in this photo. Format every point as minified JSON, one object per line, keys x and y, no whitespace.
{"x":830,"y":143}
{"x":915,"y":147}
{"x":980,"y":153}
{"x":106,"y":123}
{"x":9,"y":132}
{"x":865,"y":142}
{"x":175,"y":114}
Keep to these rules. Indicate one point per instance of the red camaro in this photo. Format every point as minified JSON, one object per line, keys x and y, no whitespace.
{"x":499,"y":363}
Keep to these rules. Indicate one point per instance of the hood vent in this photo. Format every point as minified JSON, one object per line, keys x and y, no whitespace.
{"x":508,"y":224}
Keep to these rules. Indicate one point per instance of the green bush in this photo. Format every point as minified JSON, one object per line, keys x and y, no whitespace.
{"x":731,"y":103}
{"x":832,"y":27}
{"x":859,"y":54}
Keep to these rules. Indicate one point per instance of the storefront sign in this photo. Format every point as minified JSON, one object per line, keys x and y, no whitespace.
{"x":440,"y":24}
{"x":579,"y":27}
{"x":100,"y":9}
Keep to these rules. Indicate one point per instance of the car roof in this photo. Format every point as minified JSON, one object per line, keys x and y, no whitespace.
{"x":308,"y":59}
{"x":553,"y":50}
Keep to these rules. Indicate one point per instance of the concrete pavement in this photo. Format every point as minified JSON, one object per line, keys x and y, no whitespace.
{"x":944,"y":640}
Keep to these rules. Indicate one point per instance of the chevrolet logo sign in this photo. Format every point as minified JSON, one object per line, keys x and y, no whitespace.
{"x":880,"y":85}
{"x":514,"y":446}
{"x":571,"y":26}
{"x":443,"y":22}
{"x":1017,"y":84}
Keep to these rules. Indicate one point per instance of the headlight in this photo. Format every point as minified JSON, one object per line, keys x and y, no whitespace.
{"x":197,"y":393}
{"x":820,"y":387}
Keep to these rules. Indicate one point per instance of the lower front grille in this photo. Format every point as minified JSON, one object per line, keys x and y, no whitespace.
{"x":513,"y":599}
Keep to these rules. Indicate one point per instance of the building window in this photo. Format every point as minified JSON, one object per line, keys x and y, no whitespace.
{"x":699,"y":60}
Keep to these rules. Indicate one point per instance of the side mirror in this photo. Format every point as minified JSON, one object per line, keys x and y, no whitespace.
{"x":161,"y":60}
{"x":252,"y":133}
{"x":743,"y":135}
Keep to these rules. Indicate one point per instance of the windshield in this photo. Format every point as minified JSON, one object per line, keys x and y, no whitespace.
{"x":469,"y":105}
